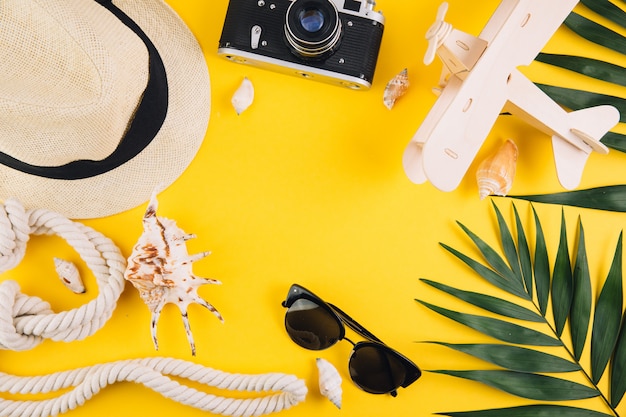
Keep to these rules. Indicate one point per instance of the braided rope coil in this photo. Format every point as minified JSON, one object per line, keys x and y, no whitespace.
{"x":25,"y":321}
{"x":283,"y":390}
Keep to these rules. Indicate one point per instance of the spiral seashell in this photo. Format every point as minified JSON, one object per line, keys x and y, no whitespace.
{"x":243,"y":97}
{"x":69,"y":275}
{"x":161,"y":269}
{"x":396,"y":88}
{"x":329,"y":381}
{"x":495,"y":174}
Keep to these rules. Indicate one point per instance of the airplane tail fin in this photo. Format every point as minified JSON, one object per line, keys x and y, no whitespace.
{"x":587,"y":127}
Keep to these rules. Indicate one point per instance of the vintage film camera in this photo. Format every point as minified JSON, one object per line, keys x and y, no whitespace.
{"x":335,"y":41}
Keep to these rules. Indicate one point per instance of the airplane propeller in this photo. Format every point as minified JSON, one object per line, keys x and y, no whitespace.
{"x":437,"y":33}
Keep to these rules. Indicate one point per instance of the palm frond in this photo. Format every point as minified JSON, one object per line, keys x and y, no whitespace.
{"x":607,"y":317}
{"x":522,"y":365}
{"x":496,"y":328}
{"x":489,"y":303}
{"x":588,"y":66}
{"x":618,"y":367}
{"x":580,"y":314}
{"x":562,"y":287}
{"x":541,"y":267}
{"x":607,"y":198}
{"x":539,"y":410}
{"x":515,"y":358}
{"x":607,"y":9}
{"x":528,"y":385}
{"x":594,"y":68}
{"x":579,"y":99}
{"x":525,"y":262}
{"x":596,"y":33}
{"x":615,"y":141}
{"x":490,"y":275}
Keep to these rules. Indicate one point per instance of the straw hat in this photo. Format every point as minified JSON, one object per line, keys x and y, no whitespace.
{"x":100,"y":102}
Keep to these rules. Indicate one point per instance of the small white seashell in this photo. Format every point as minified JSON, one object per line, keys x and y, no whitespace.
{"x":244,"y":96}
{"x":329,"y":381}
{"x":69,"y":275}
{"x":160,"y":268}
{"x":396,"y":88}
{"x":495,"y":174}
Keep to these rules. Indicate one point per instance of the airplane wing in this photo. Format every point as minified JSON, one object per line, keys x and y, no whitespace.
{"x":448,"y":140}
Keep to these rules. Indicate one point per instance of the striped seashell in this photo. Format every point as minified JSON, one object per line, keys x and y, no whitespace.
{"x":329,"y":381}
{"x":396,"y":88}
{"x":495,"y":174}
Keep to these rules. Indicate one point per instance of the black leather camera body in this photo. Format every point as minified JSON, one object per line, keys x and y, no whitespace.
{"x":335,"y":41}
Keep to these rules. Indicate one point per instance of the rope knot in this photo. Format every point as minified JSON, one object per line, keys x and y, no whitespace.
{"x":25,"y":320}
{"x":14,"y":233}
{"x":13,"y":306}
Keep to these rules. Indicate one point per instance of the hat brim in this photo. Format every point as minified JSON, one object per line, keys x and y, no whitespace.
{"x":168,"y":154}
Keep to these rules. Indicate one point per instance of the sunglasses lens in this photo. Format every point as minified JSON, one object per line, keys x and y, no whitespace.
{"x":375,"y":369}
{"x":311,"y":326}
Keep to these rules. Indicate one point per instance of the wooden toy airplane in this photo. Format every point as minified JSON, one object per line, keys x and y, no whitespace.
{"x":480,"y":79}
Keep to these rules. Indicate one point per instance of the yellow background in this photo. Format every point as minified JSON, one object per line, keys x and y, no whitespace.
{"x":307,"y":186}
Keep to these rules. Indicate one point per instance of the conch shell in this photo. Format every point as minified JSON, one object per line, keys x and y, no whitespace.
{"x":160,"y":268}
{"x":329,"y":381}
{"x":495,"y":174}
{"x":243,"y":96}
{"x":396,"y":88}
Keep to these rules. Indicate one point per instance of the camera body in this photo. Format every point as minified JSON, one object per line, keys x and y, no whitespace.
{"x":335,"y":41}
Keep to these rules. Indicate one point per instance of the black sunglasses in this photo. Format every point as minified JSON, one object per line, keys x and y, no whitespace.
{"x":374,"y":367}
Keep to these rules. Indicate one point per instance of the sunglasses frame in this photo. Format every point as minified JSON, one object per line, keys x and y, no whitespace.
{"x":297,"y":292}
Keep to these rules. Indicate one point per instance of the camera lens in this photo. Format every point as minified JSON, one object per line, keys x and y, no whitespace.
{"x":312,"y":28}
{"x":311,"y":20}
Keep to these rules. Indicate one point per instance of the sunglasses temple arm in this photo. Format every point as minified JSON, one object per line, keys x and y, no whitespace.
{"x":354,"y":325}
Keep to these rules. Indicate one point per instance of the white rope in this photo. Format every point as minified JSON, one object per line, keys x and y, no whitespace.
{"x":25,"y":321}
{"x":283,"y":391}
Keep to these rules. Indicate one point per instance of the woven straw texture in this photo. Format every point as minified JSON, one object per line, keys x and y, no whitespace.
{"x":70,"y":81}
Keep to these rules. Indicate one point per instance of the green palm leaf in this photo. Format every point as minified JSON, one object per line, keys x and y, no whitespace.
{"x":562,"y":282}
{"x":524,"y":255}
{"x":486,"y":273}
{"x":541,"y":267}
{"x":489,"y":303}
{"x":618,"y":367}
{"x":607,"y":317}
{"x":590,"y":67}
{"x":524,"y":366}
{"x":540,"y":410}
{"x":493,"y":258}
{"x":499,"y":329}
{"x":606,"y":9}
{"x":579,"y":99}
{"x":596,"y":33}
{"x":608,"y":198}
{"x":515,"y":358}
{"x":615,"y":141}
{"x":601,"y":35}
{"x":508,"y":245}
{"x":581,"y":299}
{"x":528,"y":385}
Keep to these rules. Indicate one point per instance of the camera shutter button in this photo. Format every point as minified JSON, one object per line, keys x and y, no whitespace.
{"x":255,"y":36}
